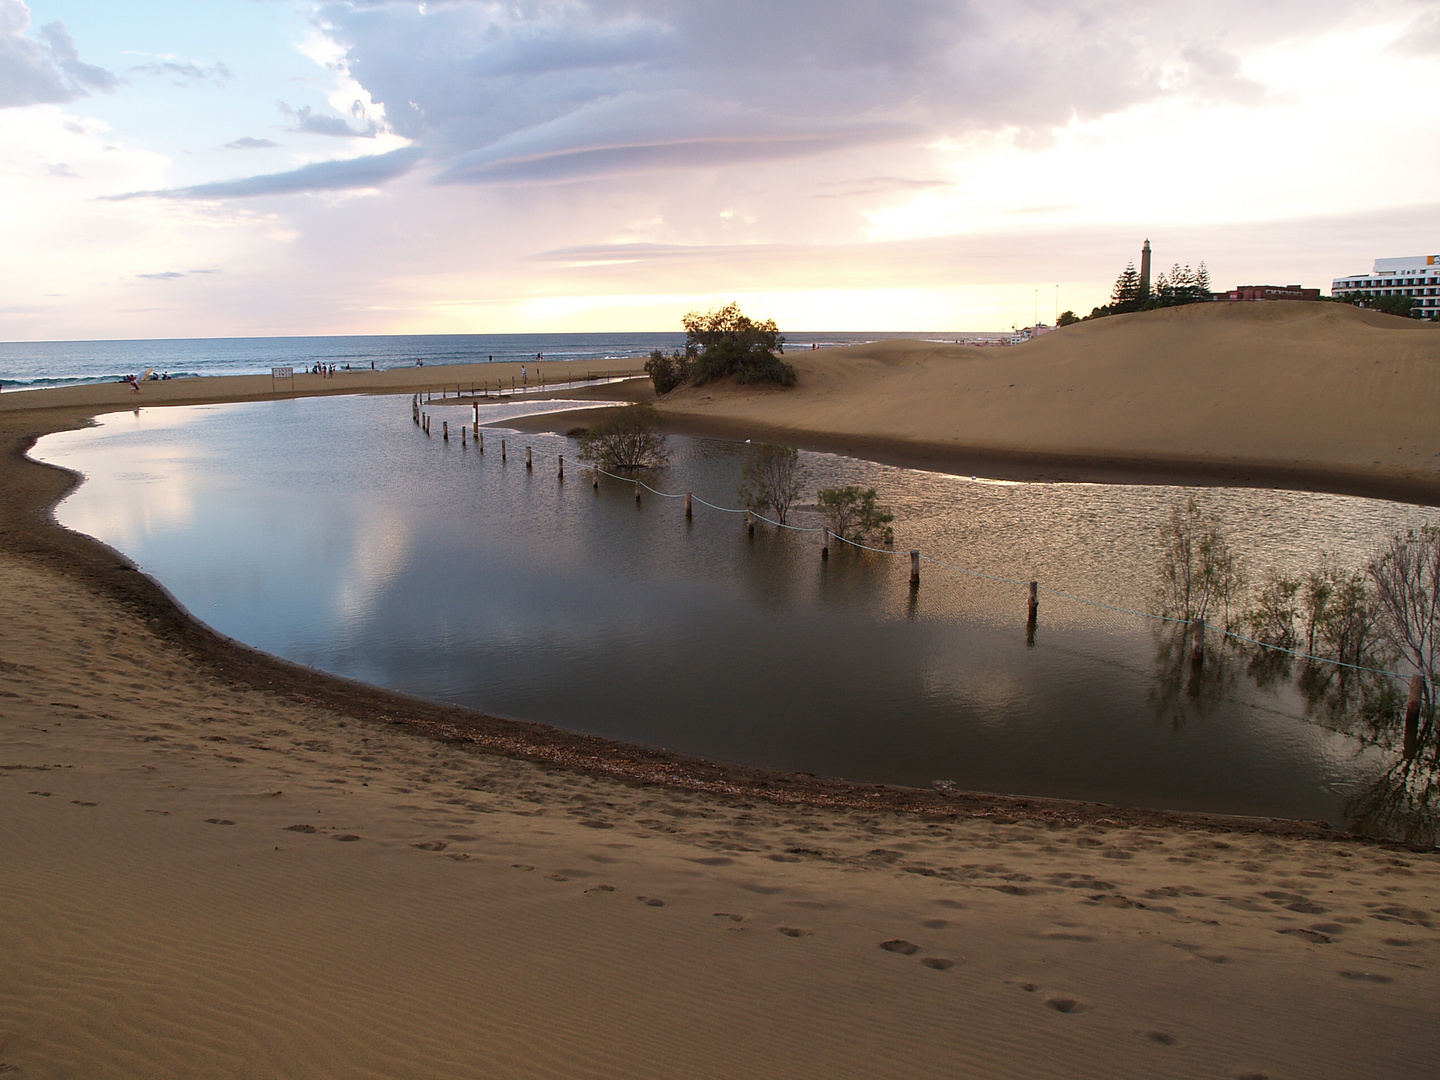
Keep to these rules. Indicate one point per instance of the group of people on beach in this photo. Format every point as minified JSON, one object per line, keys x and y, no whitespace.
{"x":150,"y":376}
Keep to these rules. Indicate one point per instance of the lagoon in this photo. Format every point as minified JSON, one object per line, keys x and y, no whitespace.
{"x":332,"y":532}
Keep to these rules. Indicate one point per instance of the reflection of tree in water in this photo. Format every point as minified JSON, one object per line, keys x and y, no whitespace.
{"x":1317,"y":632}
{"x":1181,"y":689}
{"x":1403,"y":802}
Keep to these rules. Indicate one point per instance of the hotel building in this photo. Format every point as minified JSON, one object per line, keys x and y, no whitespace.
{"x":1417,"y":276}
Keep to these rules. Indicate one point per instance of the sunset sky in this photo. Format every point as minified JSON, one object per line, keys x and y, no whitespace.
{"x":236,"y":167}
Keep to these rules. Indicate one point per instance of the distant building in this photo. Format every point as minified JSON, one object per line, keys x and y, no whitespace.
{"x":1272,"y":292}
{"x":1415,"y":275}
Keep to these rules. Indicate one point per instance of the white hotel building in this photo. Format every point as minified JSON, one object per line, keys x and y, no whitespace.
{"x":1417,"y":276}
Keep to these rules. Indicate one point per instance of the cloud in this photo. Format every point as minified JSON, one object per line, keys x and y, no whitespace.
{"x":530,"y":91}
{"x":1421,"y":37}
{"x":166,"y":275}
{"x":362,"y":172}
{"x":183,"y":72}
{"x":634,"y":133}
{"x":48,"y":71}
{"x":306,"y":122}
{"x":249,"y":142}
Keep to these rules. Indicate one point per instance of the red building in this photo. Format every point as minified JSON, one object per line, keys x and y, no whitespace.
{"x":1272,"y":292}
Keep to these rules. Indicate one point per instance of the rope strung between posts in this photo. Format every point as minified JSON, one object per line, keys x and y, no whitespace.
{"x":1008,"y":580}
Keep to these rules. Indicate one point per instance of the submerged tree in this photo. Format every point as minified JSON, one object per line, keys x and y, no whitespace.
{"x":1198,"y":570}
{"x":1406,"y":577}
{"x":853,"y":514}
{"x":771,"y":479}
{"x":625,"y":438}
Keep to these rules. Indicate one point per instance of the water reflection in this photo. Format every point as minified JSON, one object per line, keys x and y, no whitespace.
{"x":330,"y":532}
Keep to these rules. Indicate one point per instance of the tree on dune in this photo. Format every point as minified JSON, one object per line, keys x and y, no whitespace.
{"x":1125,"y":296}
{"x":728,"y":342}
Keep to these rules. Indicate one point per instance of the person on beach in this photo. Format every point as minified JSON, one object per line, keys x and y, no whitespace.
{"x":134,"y":384}
{"x":523,"y":377}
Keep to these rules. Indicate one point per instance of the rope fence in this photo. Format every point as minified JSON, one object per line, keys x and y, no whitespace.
{"x":423,"y":422}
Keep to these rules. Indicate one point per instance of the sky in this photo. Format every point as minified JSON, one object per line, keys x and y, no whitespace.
{"x":257,"y":167}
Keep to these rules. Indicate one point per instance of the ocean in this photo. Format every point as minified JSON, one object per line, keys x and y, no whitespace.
{"x":34,"y":364}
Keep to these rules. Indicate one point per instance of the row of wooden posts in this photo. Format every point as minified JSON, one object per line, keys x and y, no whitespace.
{"x":483,"y":389}
{"x":422,"y":421}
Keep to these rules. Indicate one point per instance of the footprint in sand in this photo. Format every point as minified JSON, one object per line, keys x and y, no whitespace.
{"x":1161,"y":1037}
{"x":42,"y":794}
{"x":938,"y":963}
{"x":1309,"y":935}
{"x":793,"y":931}
{"x":218,"y":821}
{"x":428,"y":845}
{"x":1366,"y":976}
{"x":81,"y":802}
{"x":300,"y":828}
{"x":901,"y":946}
{"x":345,"y":836}
{"x":650,"y":901}
{"x":727,"y":915}
{"x":1064,"y":1004}
{"x":521,"y":866}
{"x":601,"y":888}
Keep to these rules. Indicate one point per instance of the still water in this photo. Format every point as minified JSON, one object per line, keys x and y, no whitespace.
{"x":332,"y":532}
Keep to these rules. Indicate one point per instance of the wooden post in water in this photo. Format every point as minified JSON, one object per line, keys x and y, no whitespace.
{"x":479,"y":439}
{"x":749,"y":522}
{"x":1034,"y":603}
{"x":689,"y":510}
{"x":562,"y":468}
{"x":825,"y":542}
{"x":595,"y":479}
{"x":529,"y":464}
{"x":914,"y":567}
{"x":1197,"y":649}
{"x":502,"y":451}
{"x":445,"y":429}
{"x":637,"y":492}
{"x":1412,"y":716}
{"x":462,"y":436}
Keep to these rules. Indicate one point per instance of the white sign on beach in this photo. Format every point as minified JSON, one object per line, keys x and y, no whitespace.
{"x":282,"y":373}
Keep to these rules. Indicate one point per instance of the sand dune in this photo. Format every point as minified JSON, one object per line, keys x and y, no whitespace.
{"x":1310,"y":394}
{"x":202,"y":878}
{"x":216,"y":864}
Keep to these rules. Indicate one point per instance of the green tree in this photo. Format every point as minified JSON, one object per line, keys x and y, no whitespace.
{"x":853,"y":514}
{"x":626,"y":437}
{"x":667,"y":371}
{"x":728,"y":342}
{"x":1126,"y":294}
{"x":1066,"y":318}
{"x":1404,"y":306}
{"x":771,"y":479}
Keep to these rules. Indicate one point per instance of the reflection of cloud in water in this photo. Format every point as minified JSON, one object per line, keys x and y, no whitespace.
{"x":106,"y":505}
{"x":380,"y":549}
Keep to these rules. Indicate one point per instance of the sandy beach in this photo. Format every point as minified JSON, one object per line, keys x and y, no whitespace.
{"x":216,"y":863}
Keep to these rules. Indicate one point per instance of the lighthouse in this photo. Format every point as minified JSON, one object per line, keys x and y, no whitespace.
{"x":1145,"y":271}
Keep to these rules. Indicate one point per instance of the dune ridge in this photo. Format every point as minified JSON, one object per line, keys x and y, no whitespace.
{"x":1279,"y":393}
